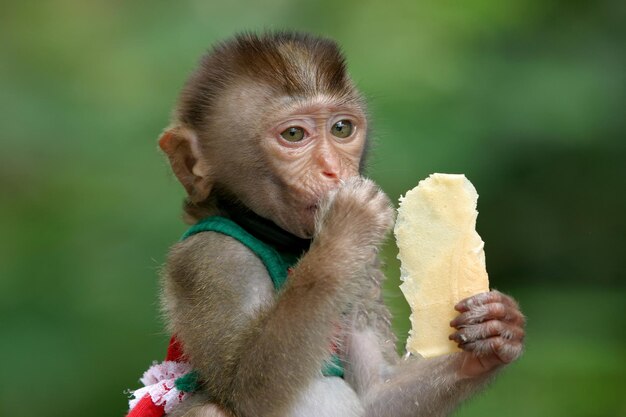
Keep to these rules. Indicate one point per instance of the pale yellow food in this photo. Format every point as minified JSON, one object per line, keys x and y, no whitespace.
{"x":442,"y":258}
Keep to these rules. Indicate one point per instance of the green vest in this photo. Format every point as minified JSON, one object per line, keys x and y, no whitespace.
{"x":276,"y":263}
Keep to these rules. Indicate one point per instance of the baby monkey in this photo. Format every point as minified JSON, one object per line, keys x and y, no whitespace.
{"x":275,"y":293}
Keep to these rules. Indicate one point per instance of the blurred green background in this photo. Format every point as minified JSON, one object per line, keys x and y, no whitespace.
{"x":524,"y":97}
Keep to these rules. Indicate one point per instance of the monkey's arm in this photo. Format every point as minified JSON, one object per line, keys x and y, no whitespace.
{"x":420,"y":387}
{"x":245,"y":342}
{"x":490,"y":332}
{"x":255,"y":351}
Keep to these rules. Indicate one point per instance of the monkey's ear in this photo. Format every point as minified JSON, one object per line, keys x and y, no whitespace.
{"x":192,"y":170}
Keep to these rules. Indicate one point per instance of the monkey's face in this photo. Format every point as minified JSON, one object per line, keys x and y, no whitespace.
{"x":280,"y":155}
{"x":311,"y":146}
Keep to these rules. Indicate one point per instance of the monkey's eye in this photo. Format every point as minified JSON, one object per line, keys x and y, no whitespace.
{"x":293,"y":134}
{"x":342,"y":129}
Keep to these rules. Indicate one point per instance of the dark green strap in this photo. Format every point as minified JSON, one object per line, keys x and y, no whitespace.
{"x":276,"y":267}
{"x":333,"y":366}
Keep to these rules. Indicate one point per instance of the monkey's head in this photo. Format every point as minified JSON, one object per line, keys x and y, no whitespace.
{"x":272,"y":122}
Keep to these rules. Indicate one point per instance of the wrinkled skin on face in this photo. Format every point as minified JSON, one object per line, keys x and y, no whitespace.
{"x":310,"y":166}
{"x":298,"y":150}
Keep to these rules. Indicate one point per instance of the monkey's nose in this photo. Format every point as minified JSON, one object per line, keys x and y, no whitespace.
{"x":331,"y":175}
{"x":330,"y":179}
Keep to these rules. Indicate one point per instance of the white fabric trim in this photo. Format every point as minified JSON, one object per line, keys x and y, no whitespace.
{"x":159,"y":381}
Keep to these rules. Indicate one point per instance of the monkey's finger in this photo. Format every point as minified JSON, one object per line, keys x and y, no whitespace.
{"x":505,"y":350}
{"x":479,"y":314}
{"x":493,"y":296}
{"x":485,"y":306}
{"x":486,"y":330}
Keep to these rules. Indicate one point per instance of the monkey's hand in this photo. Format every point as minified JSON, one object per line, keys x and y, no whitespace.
{"x":357,"y":215}
{"x":490,"y":330}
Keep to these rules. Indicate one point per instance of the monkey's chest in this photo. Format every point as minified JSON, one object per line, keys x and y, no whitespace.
{"x":327,"y":397}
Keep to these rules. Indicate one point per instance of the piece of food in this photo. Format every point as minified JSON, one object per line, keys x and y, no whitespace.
{"x":442,"y":258}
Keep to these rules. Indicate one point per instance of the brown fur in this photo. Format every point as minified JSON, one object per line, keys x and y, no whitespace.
{"x":294,"y":64}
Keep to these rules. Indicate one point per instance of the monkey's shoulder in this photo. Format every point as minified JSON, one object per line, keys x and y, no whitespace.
{"x":218,"y":262}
